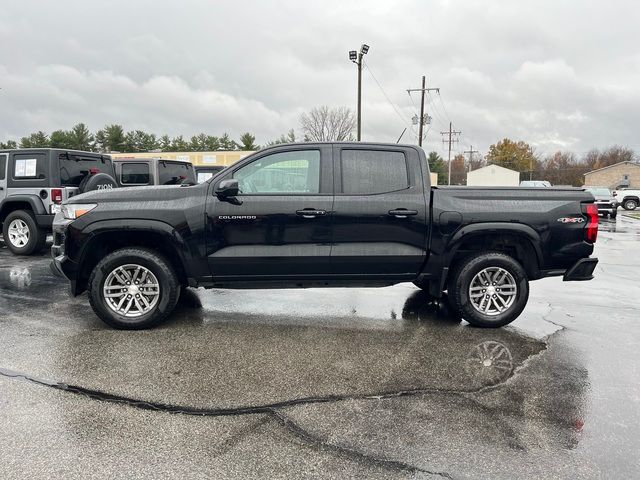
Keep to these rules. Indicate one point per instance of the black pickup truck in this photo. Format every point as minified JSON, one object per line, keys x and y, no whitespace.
{"x":322,"y":215}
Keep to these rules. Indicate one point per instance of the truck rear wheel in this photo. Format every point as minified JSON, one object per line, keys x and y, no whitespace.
{"x":630,"y":204}
{"x":133,"y":289}
{"x":489,"y":289}
{"x":21,"y":233}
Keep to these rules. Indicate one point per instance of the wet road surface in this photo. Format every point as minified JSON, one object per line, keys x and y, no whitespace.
{"x":333,"y":383}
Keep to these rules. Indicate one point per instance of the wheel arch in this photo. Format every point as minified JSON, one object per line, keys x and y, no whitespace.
{"x":31,"y":203}
{"x":109,"y":236}
{"x":519,"y":241}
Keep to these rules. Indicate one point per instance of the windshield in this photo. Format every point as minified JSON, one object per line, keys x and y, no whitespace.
{"x":74,"y":168}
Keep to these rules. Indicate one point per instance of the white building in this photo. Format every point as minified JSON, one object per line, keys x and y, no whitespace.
{"x":493,"y":176}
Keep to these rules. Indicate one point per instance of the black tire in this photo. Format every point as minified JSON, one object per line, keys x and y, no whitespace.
{"x":630,"y":204}
{"x":465,"y":272}
{"x":169,"y":288}
{"x":37,"y":238}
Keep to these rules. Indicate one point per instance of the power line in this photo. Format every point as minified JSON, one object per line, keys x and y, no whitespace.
{"x":421,"y":120}
{"x":402,"y":117}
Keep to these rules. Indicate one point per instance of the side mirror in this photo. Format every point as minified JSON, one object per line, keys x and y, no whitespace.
{"x":227,"y":190}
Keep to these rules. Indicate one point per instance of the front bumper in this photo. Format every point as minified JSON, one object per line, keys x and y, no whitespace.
{"x":61,"y":265}
{"x":608,"y":207}
{"x":581,"y":270}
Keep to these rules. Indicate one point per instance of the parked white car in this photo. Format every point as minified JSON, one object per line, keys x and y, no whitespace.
{"x":628,"y":198}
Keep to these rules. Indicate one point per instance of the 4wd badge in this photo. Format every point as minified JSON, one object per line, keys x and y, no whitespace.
{"x":571,"y":220}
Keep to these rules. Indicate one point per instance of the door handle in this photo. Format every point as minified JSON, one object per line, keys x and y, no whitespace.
{"x":311,"y":213}
{"x":402,"y":212}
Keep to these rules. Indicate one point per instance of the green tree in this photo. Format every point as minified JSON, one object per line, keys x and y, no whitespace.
{"x":247,"y":142}
{"x":514,"y":155}
{"x":111,"y":138}
{"x":227,"y":144}
{"x":60,"y":139}
{"x":204,"y":143}
{"x":178,"y":144}
{"x":9,"y":145}
{"x":35,"y":140}
{"x":80,"y":138}
{"x":164,"y":143}
{"x":289,"y":137}
{"x":438,"y":165}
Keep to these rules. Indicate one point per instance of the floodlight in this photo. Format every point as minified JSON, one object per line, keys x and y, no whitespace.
{"x":353,"y":55}
{"x":364,"y":49}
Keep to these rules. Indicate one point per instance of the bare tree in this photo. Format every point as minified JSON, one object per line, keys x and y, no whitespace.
{"x":326,"y":124}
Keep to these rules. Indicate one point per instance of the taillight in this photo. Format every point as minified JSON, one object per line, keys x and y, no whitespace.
{"x":591,"y":230}
{"x":56,"y":195}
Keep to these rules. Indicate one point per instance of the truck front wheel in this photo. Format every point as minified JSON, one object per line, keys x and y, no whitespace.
{"x":489,"y":289}
{"x":133,"y":289}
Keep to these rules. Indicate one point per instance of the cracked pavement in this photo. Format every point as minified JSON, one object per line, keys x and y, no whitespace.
{"x":332,"y":383}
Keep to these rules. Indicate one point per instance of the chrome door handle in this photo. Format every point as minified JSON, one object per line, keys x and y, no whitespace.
{"x":310,"y":213}
{"x":402,"y":212}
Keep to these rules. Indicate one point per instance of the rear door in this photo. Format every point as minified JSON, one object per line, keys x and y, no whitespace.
{"x":380,"y":211}
{"x":282,"y":228}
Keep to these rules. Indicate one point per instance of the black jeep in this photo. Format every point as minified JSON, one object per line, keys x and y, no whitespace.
{"x":33,"y":185}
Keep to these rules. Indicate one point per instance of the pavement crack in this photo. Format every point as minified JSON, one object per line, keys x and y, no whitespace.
{"x":296,"y":429}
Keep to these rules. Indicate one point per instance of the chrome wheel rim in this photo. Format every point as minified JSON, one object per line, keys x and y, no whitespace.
{"x":131,"y":290}
{"x":18,"y":233}
{"x":493,"y":291}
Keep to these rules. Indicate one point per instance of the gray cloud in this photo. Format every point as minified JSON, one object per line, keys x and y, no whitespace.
{"x":558,"y":74}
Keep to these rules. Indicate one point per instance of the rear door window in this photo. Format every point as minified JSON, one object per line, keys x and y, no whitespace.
{"x":74,"y":168}
{"x":367,"y":172}
{"x":173,"y":173}
{"x":134,"y":173}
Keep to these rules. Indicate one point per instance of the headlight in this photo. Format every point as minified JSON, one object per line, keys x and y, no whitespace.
{"x":76,"y":210}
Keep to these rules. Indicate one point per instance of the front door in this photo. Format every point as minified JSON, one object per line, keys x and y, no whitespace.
{"x":282,"y":228}
{"x":4,"y":161}
{"x":381,"y":215}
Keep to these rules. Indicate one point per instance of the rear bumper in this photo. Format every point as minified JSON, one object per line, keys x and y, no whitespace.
{"x":581,"y":270}
{"x":44,"y":221}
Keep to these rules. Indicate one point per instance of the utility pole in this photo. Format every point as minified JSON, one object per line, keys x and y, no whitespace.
{"x":471,"y":151}
{"x":356,"y":57}
{"x":451,"y":133}
{"x":422,"y":119}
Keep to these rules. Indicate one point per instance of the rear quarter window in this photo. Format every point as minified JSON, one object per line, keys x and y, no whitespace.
{"x":29,"y":166}
{"x":367,"y":172}
{"x":173,"y":173}
{"x":134,"y":173}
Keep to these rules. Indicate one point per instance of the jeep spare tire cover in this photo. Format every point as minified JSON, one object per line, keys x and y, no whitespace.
{"x":99,"y":181}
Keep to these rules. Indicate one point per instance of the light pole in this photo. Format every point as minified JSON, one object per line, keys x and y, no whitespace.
{"x":356,"y":57}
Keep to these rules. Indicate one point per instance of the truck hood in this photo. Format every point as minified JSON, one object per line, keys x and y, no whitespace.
{"x":136,"y":194}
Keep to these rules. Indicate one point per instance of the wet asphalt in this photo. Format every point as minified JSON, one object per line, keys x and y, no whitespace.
{"x":325,"y":383}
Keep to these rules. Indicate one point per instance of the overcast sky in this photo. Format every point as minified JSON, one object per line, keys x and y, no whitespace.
{"x":557,"y":74}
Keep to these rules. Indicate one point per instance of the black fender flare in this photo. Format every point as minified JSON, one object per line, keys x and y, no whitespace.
{"x":166,"y":231}
{"x":477,"y":229}
{"x":33,"y":200}
{"x":438,"y":265}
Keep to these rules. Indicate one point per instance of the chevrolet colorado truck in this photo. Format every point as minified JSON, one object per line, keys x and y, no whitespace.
{"x":322,"y":215}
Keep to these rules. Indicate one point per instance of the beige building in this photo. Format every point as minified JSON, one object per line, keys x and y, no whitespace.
{"x":197,"y":158}
{"x":493,"y":176}
{"x":623,"y":174}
